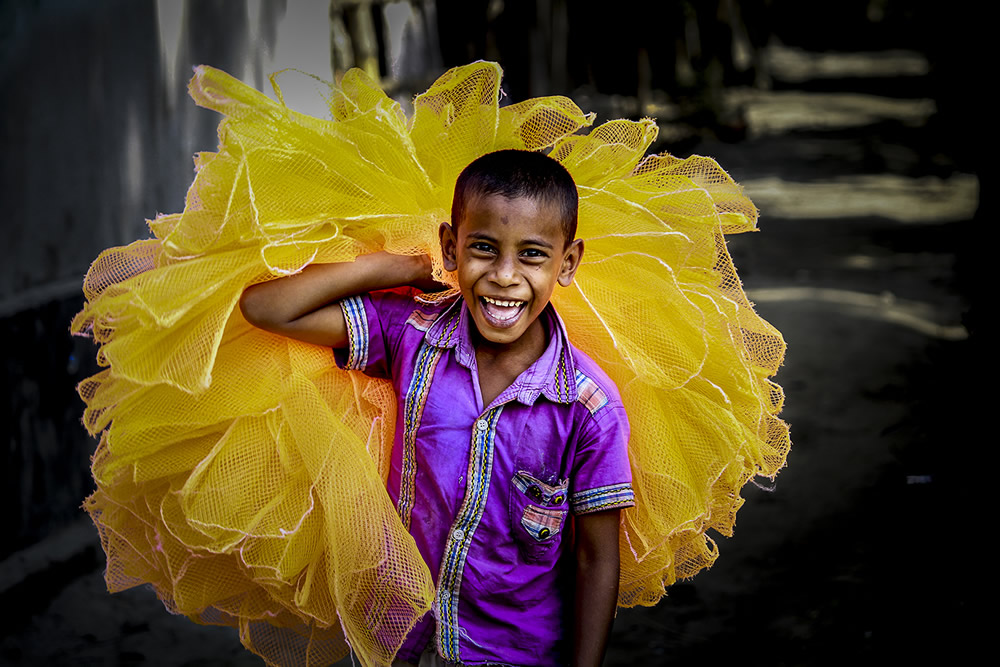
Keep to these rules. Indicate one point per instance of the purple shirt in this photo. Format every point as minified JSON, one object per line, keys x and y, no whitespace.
{"x":485,"y":490}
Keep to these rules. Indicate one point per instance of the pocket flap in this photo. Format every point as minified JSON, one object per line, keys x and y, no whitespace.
{"x":540,"y":492}
{"x":542,"y":523}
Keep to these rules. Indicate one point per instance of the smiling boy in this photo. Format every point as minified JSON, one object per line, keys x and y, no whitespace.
{"x":509,"y":464}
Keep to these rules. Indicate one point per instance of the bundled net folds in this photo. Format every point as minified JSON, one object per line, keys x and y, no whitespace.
{"x":243,"y":475}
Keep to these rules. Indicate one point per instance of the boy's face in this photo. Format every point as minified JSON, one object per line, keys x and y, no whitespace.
{"x":509,"y":255}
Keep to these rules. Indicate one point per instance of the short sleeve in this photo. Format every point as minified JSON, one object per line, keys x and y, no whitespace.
{"x":602,"y":478}
{"x":374,"y":325}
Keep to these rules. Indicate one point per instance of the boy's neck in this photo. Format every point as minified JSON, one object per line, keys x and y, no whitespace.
{"x":500,"y":364}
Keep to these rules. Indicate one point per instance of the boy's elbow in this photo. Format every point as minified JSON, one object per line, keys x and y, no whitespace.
{"x":253,"y":305}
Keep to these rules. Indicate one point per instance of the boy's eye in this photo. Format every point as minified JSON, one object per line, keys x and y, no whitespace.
{"x":533,"y":253}
{"x":482,"y":247}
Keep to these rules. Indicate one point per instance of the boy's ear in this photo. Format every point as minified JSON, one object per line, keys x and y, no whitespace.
{"x":449,"y":246}
{"x":571,"y":262}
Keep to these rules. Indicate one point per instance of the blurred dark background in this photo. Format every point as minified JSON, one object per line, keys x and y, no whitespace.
{"x":859,"y":129}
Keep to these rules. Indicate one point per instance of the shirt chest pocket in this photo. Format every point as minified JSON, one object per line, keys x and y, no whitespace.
{"x":538,"y":515}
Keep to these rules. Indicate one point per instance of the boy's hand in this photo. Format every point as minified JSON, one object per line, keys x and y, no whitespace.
{"x":305,"y":306}
{"x":428,"y":284}
{"x":597,"y":571}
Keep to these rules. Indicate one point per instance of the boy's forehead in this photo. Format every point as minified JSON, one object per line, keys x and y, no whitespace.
{"x":480,"y":201}
{"x":498,"y":210}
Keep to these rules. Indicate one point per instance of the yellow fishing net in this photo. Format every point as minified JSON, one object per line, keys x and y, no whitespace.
{"x":242,"y":474}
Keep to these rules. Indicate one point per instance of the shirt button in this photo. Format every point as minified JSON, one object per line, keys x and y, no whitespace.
{"x":481,"y":425}
{"x":459,"y":534}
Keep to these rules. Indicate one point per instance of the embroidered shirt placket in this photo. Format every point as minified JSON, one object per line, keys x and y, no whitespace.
{"x":462,"y":531}
{"x":416,"y":398}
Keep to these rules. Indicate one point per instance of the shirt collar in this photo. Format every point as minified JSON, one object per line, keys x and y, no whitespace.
{"x":553,"y":374}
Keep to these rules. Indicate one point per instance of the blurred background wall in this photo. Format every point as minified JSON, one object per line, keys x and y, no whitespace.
{"x":857,"y":127}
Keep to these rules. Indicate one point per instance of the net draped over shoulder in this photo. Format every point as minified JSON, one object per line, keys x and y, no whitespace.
{"x":242,"y":474}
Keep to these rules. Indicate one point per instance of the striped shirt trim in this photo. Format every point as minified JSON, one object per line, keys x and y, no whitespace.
{"x":442,"y":331}
{"x":590,"y":393}
{"x":421,"y":321}
{"x":460,"y":536}
{"x":561,"y":384}
{"x":416,"y":398}
{"x":602,"y":498}
{"x":357,"y":332}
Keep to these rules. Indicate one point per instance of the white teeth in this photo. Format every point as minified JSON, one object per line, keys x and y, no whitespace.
{"x":502,"y":304}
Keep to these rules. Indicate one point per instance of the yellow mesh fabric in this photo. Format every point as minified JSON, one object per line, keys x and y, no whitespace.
{"x":243,"y":475}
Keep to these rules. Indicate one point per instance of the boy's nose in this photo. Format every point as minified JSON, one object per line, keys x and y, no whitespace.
{"x":505,"y":272}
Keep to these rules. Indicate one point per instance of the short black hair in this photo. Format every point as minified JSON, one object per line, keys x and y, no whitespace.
{"x":514,"y":174}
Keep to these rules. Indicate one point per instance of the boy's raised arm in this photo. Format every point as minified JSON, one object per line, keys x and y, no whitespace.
{"x":596,"y":596}
{"x":305,"y":306}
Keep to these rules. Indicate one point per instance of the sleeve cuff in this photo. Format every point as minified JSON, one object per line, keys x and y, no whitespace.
{"x":615,"y":496}
{"x":357,"y":333}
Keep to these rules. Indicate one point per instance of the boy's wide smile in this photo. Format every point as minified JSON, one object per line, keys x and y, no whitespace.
{"x":501,"y":313}
{"x":509,"y":255}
